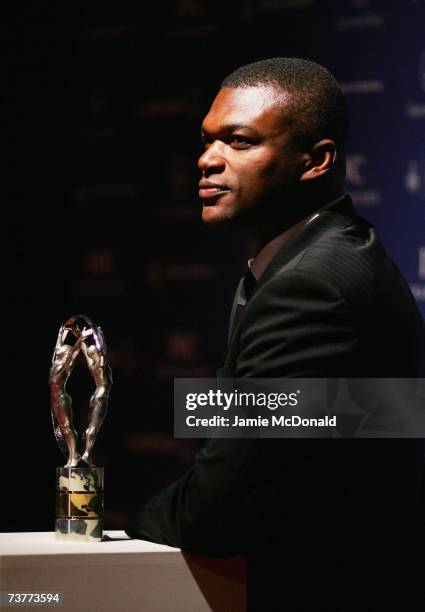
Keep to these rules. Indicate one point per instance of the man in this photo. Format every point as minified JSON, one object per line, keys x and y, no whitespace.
{"x":325,"y":524}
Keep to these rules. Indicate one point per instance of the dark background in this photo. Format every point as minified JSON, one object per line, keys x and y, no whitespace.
{"x":103,"y":110}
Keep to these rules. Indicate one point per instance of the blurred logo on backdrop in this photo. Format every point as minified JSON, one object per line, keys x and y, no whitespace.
{"x":421,"y":71}
{"x":415,"y":109}
{"x":362,"y":86}
{"x":421,"y":268}
{"x":418,"y":289}
{"x":360,"y":16}
{"x":414,"y":177}
{"x":358,"y":182}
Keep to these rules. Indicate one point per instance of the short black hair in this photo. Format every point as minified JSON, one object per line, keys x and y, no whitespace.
{"x":316,"y":107}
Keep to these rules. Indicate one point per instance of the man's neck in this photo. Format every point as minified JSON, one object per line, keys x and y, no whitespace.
{"x":275,"y":223}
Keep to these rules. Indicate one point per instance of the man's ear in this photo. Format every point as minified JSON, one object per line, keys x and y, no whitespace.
{"x":319,"y":160}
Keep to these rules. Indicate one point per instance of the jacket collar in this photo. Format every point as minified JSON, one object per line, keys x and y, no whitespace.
{"x":336,"y":215}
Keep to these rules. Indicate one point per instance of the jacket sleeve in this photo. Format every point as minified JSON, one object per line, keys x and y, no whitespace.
{"x":208,"y":510}
{"x":238,"y":494}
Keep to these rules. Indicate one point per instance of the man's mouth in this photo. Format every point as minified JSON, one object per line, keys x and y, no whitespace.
{"x":209,"y":191}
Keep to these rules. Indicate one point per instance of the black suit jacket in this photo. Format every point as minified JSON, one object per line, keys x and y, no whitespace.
{"x":330,"y":304}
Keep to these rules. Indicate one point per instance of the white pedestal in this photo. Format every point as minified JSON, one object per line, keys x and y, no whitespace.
{"x":119,"y":574}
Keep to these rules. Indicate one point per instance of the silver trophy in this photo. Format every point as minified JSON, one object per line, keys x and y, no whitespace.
{"x":79,"y":497}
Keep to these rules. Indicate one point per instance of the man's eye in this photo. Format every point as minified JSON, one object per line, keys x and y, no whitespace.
{"x":239,"y":142}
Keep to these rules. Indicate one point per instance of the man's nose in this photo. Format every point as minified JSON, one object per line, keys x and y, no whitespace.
{"x":212,"y":160}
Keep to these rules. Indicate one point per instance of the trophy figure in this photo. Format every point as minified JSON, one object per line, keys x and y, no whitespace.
{"x":79,"y":496}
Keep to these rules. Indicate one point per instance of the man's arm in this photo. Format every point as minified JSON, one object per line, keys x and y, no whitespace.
{"x":294,"y":326}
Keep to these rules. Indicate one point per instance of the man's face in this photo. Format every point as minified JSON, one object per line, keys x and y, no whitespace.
{"x":250,"y":169}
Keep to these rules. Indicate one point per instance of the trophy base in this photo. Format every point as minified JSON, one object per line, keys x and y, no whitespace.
{"x":79,"y":504}
{"x":79,"y":530}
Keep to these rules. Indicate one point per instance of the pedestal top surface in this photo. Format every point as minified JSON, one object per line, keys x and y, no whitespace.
{"x":44,"y":543}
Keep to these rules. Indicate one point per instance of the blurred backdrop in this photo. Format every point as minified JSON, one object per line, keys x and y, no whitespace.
{"x":103,"y":112}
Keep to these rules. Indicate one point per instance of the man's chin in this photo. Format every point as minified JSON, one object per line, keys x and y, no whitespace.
{"x":215,"y":217}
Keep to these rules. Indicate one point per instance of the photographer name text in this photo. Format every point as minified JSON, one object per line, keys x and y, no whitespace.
{"x":261,"y":421}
